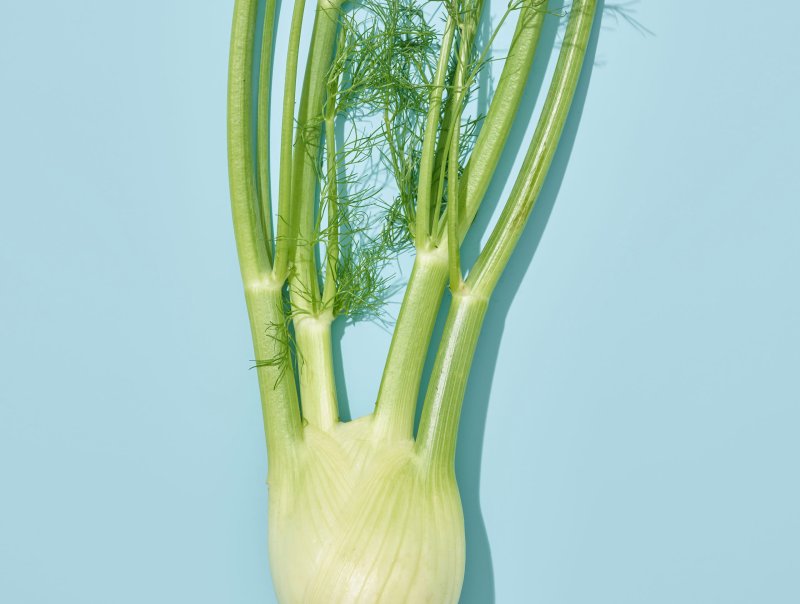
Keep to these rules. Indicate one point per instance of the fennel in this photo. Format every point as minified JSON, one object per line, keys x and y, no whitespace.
{"x":367,"y":511}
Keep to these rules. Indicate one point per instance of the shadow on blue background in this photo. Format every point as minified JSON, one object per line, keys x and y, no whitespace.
{"x":479,"y":575}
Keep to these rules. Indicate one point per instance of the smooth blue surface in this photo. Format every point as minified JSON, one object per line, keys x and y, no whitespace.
{"x":639,"y":376}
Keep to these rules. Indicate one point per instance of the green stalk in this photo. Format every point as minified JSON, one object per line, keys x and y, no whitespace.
{"x":425,"y":202}
{"x":453,"y":248}
{"x":332,"y":204}
{"x":454,"y":213}
{"x":453,"y":251}
{"x":262,"y":124}
{"x":399,"y":389}
{"x":284,"y":246}
{"x":305,"y":280}
{"x":402,"y":374}
{"x":312,"y":337}
{"x":313,"y":334}
{"x":253,"y":256}
{"x":453,"y":113}
{"x":312,"y":322}
{"x":440,"y":166}
{"x":262,"y":292}
{"x":438,"y":429}
{"x":503,"y":109}
{"x":504,"y":237}
{"x":279,"y":404}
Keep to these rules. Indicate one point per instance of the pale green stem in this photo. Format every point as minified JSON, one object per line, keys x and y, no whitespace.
{"x":438,"y":430}
{"x":305,"y":279}
{"x":262,"y":293}
{"x":315,"y":370}
{"x":399,"y":389}
{"x":454,"y":110}
{"x":425,"y":202}
{"x":312,"y":323}
{"x":262,"y":125}
{"x":503,"y":109}
{"x":251,"y":242}
{"x":509,"y":228}
{"x":284,"y":245}
{"x":411,"y":339}
{"x":332,"y":205}
{"x":440,"y":168}
{"x":282,"y":424}
{"x":453,"y":251}
{"x":453,"y":199}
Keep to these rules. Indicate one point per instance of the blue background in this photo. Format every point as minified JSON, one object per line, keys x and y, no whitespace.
{"x":631,"y":432}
